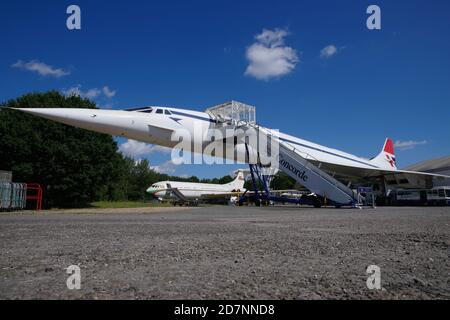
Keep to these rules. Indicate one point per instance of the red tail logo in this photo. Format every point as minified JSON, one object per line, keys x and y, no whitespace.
{"x":389,"y":152}
{"x":389,"y":146}
{"x":391,"y":160}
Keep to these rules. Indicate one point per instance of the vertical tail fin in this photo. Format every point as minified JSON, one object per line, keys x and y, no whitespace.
{"x":386,"y":158}
{"x":238,"y":182}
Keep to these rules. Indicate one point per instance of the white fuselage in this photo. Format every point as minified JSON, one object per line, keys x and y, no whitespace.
{"x":162,"y":126}
{"x":190,"y":190}
{"x":156,"y":127}
{"x":195,"y":190}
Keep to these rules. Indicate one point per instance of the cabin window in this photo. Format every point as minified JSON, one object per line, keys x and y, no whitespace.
{"x":447,"y":193}
{"x":160,"y":111}
{"x":441,"y":193}
{"x":147,"y":110}
{"x":167,"y":112}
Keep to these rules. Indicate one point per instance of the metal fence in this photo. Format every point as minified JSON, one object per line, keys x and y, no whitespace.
{"x":13,"y":196}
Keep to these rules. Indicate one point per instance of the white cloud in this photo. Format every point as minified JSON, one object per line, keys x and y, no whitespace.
{"x":166,"y":150}
{"x":41,"y":68}
{"x":268,"y":57}
{"x":108,"y":92}
{"x":409,"y":144}
{"x":136,"y":149}
{"x":271,"y":38}
{"x":76,"y":91}
{"x":166,"y":167}
{"x":90,"y":93}
{"x":328,"y":51}
{"x":73,"y":91}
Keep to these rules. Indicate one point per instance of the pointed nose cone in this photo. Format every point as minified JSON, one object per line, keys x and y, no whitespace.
{"x":112,"y":122}
{"x":64,"y":115}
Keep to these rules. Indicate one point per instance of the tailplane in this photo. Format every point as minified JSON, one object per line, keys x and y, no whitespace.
{"x":386,"y":158}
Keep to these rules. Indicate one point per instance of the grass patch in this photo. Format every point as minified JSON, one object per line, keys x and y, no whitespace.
{"x":126,"y":204}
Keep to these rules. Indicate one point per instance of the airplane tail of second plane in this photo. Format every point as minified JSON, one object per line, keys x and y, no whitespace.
{"x":386,"y":158}
{"x":238,"y":182}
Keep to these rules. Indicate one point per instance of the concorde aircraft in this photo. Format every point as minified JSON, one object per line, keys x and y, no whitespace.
{"x":186,"y":191}
{"x":332,"y":169}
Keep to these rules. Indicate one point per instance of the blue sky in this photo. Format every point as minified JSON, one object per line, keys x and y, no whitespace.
{"x":194,"y":54}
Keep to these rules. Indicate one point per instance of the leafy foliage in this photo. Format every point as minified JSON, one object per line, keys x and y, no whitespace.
{"x":282,"y":181}
{"x":74,"y":165}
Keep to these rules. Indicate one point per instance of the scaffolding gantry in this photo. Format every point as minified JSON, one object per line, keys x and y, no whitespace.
{"x":324,"y":188}
{"x":233,"y":112}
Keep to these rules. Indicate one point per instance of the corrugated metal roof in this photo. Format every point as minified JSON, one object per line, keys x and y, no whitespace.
{"x":434,"y":165}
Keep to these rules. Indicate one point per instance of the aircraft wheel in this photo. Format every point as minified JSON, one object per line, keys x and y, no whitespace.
{"x":317,"y":203}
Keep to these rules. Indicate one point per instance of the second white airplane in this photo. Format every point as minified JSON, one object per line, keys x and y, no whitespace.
{"x":185,"y":191}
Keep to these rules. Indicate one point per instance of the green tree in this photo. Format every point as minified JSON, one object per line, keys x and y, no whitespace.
{"x":281,"y":181}
{"x":74,"y":166}
{"x":225,"y":179}
{"x":140,"y":178}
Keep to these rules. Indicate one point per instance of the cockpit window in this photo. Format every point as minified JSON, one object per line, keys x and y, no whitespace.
{"x":136,"y":109}
{"x":159,"y":111}
{"x":144,"y":109}
{"x":167,"y":112}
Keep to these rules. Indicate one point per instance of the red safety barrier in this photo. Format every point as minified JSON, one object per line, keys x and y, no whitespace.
{"x":36,"y":195}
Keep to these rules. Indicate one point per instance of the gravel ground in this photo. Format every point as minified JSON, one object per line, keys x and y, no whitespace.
{"x":224,"y":252}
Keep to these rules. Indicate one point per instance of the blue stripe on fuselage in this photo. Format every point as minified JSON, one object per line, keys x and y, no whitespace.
{"x":192,"y":116}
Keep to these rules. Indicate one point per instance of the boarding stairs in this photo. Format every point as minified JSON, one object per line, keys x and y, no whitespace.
{"x":290,"y":160}
{"x":175,"y":192}
{"x":294,"y":163}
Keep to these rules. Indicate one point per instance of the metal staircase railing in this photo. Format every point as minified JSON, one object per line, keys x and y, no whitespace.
{"x":326,"y":186}
{"x":239,"y":115}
